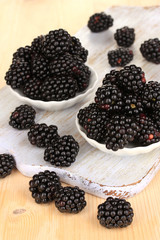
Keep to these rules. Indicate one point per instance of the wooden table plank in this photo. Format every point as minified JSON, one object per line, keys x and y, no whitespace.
{"x":20,"y":217}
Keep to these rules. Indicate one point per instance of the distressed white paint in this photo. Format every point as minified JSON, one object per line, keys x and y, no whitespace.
{"x":96,"y":172}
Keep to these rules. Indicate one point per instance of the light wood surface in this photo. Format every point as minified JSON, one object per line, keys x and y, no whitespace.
{"x":20,"y":217}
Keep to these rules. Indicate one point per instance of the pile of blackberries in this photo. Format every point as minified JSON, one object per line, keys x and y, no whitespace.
{"x":126,"y":110}
{"x":51,"y":69}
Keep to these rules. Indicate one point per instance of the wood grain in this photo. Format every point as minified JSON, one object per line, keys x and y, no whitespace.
{"x":20,"y":217}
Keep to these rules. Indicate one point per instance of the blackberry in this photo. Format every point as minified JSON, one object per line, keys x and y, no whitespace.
{"x":63,"y":152}
{"x":109,"y":97}
{"x":124,"y":36}
{"x":44,"y":186}
{"x":156,"y":117}
{"x":31,"y":89}
{"x":99,"y":22}
{"x":24,"y":53}
{"x":111,"y":78}
{"x":94,"y":121}
{"x":132,"y":79}
{"x":22,"y":117}
{"x":7,"y":163}
{"x":56,"y":42}
{"x":18,"y":73}
{"x":115,"y":213}
{"x":70,"y":200}
{"x":151,"y":50}
{"x":133,"y":105}
{"x":151,"y":95}
{"x":120,"y":131}
{"x":37,"y":44}
{"x":149,"y":132}
{"x":40,"y":68}
{"x":83,"y":78}
{"x":42,"y":135}
{"x":77,"y":49}
{"x":120,"y":57}
{"x":58,"y":88}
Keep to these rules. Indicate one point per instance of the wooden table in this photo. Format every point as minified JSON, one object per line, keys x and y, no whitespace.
{"x":20,"y":217}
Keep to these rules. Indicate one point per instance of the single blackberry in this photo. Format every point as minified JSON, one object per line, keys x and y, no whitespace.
{"x":156,"y":117}
{"x":70,"y":200}
{"x":77,"y":49}
{"x":56,"y":42}
{"x":124,"y":36}
{"x":83,"y":78}
{"x":31,"y":89}
{"x":115,"y":213}
{"x":149,"y":131}
{"x":94,"y":121}
{"x":109,"y":97}
{"x":133,"y":105}
{"x":132,"y":79}
{"x":7,"y":163}
{"x":24,"y":53}
{"x":37,"y":44}
{"x":63,"y":152}
{"x":99,"y":22}
{"x":120,"y":57}
{"x":44,"y":186}
{"x":111,"y":78}
{"x":42,"y":135}
{"x":40,"y":68}
{"x":18,"y":73}
{"x":58,"y":88}
{"x":151,"y":50}
{"x":22,"y":117}
{"x":151,"y":95}
{"x":120,"y":131}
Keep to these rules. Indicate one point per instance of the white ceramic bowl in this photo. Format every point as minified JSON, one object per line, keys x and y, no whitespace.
{"x":59,"y":105}
{"x":128,"y":151}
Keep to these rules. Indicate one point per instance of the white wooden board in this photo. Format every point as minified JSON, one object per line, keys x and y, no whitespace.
{"x":96,"y":172}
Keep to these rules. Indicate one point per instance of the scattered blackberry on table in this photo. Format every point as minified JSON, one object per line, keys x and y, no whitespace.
{"x":109,"y":97}
{"x":132,"y":79}
{"x":42,"y":135}
{"x":24,"y":53}
{"x":18,"y":73}
{"x":111,"y":78}
{"x":31,"y":89}
{"x":99,"y":22}
{"x":70,"y":200}
{"x":40,"y":69}
{"x":133,"y":105}
{"x":120,"y":131}
{"x":7,"y":163}
{"x":115,"y":213}
{"x":37,"y":44}
{"x":120,"y":57}
{"x":58,"y":88}
{"x":124,"y":36}
{"x":63,"y":152}
{"x":151,"y":50}
{"x":94,"y":120}
{"x":76,"y":49}
{"x":22,"y":117}
{"x":149,"y":131}
{"x":44,"y":186}
{"x":56,"y":42}
{"x":151,"y":95}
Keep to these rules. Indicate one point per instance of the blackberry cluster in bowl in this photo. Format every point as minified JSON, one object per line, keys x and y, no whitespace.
{"x":125,"y":110}
{"x":51,"y":69}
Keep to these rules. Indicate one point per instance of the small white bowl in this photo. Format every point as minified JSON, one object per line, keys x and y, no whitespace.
{"x":128,"y":151}
{"x":59,"y":105}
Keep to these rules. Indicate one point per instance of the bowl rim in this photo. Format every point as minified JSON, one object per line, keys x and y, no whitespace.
{"x":78,"y":96}
{"x":121,"y":152}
